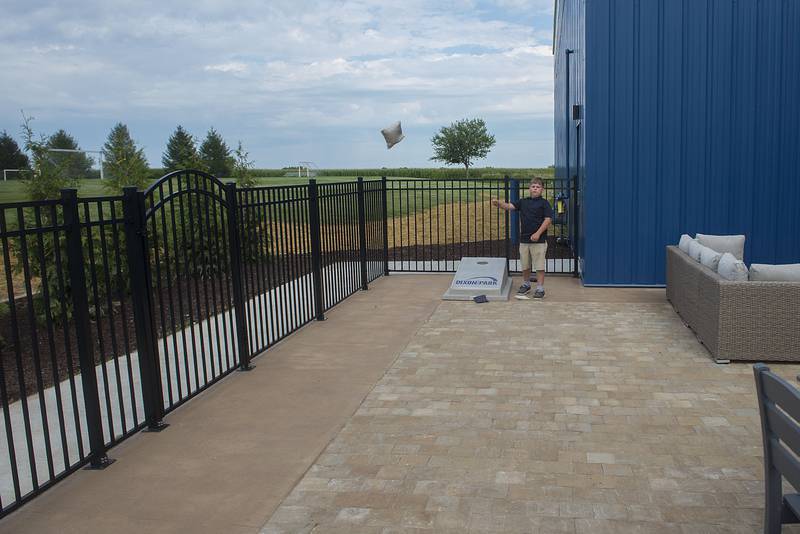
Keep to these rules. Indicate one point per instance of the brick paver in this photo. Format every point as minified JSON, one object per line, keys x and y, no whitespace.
{"x":544,"y":417}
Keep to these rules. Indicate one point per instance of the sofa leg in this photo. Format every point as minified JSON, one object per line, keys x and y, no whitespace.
{"x":721,"y":360}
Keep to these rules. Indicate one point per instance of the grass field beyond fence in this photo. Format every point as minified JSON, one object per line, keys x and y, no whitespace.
{"x":14,"y":190}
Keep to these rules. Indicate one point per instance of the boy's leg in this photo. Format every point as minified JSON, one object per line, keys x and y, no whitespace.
{"x":539,"y":261}
{"x":526,"y":264}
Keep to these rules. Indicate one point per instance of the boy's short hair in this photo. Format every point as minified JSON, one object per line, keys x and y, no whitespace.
{"x":538,"y":181}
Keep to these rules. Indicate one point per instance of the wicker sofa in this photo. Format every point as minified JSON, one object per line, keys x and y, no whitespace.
{"x":754,"y":321}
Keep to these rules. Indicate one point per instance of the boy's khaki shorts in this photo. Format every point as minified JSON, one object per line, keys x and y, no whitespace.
{"x":533,"y":255}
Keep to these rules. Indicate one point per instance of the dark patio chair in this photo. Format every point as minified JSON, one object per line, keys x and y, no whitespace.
{"x":779,"y":405}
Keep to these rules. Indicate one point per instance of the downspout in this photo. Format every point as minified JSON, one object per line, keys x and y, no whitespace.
{"x":566,"y":132}
{"x":566,"y":112}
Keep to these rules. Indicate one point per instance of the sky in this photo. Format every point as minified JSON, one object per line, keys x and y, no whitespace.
{"x":292,"y":80}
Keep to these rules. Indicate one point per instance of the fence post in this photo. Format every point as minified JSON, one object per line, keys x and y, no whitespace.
{"x":236,"y":277}
{"x":362,"y":233}
{"x":316,"y":248}
{"x":80,"y":312}
{"x":574,"y":218}
{"x":139,"y":271}
{"x":385,"y":208}
{"x":514,"y":197}
{"x":508,"y":230}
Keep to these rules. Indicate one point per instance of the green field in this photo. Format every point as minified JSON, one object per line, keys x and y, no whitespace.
{"x":416,"y":195}
{"x":14,"y":190}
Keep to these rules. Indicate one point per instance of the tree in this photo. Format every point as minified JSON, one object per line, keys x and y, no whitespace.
{"x":255,"y":236}
{"x":215,"y":155}
{"x":11,"y":157}
{"x":462,"y":142}
{"x":125,"y":164}
{"x":241,"y":168}
{"x":181,"y":152}
{"x":49,"y":175}
{"x":76,"y":165}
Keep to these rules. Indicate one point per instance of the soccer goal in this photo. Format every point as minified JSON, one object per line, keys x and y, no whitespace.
{"x":99,"y":153}
{"x":307,"y":167}
{"x":6,"y":172}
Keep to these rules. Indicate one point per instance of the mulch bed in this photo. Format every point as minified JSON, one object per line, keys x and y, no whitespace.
{"x":53,"y":349}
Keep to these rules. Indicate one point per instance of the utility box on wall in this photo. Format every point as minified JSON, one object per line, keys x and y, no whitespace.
{"x":678,"y":117}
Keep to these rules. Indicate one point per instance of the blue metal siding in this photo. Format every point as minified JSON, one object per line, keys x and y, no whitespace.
{"x":570,"y":35}
{"x":691,"y":125}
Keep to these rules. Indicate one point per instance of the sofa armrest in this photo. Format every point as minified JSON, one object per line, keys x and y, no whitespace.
{"x":683,"y":278}
{"x":759,"y":320}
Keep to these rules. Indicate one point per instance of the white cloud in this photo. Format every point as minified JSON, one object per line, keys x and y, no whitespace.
{"x":231,"y":66}
{"x":280,"y":64}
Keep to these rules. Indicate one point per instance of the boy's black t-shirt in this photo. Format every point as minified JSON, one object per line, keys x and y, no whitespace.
{"x":532,"y":213}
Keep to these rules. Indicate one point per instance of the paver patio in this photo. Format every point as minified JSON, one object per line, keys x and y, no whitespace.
{"x":594,"y":410}
{"x":567,"y":415}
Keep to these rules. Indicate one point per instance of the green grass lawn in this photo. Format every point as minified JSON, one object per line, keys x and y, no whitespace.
{"x":14,"y":190}
{"x":406,"y":197}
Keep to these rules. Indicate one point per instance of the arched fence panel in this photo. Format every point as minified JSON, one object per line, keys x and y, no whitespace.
{"x":186,"y":283}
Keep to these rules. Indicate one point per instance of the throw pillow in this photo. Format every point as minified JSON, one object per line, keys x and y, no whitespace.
{"x":732,"y":269}
{"x":710,"y":258}
{"x":724,"y":243}
{"x":775,"y":273}
{"x":683,"y":244}
{"x":694,"y":250}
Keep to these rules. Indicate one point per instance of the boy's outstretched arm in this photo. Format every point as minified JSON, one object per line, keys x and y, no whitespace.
{"x":502,"y":204}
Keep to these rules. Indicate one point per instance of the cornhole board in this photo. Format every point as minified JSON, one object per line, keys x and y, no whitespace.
{"x":480,"y":276}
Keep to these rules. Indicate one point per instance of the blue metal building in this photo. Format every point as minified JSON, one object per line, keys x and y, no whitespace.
{"x":678,"y":116}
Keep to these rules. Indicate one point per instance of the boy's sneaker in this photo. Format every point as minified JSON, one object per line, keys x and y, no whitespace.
{"x":523,"y":292}
{"x":539,"y":293}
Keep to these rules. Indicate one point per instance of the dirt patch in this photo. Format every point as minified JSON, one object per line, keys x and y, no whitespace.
{"x":443,"y":224}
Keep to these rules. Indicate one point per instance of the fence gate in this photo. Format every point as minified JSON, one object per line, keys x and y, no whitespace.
{"x":186,"y":284}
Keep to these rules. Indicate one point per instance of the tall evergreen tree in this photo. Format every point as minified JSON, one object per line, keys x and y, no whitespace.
{"x":181,"y":152}
{"x":125,"y":163}
{"x":11,"y":157}
{"x":76,"y":165}
{"x":215,"y":155}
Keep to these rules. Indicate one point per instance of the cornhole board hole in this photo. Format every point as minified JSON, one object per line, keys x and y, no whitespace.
{"x":480,"y":276}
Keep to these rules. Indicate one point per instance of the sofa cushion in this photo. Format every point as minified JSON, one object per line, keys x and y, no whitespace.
{"x":724,"y":243}
{"x":683,"y":244}
{"x":710,"y":258}
{"x":732,"y":269}
{"x":694,"y":249}
{"x":775,"y":273}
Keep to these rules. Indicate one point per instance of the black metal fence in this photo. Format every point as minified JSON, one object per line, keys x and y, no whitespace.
{"x":434,"y":223}
{"x":119,"y":309}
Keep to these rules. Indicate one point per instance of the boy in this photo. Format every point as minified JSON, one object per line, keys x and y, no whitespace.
{"x":535,"y":216}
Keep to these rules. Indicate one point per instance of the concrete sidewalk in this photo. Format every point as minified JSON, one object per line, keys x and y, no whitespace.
{"x":231,"y":455}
